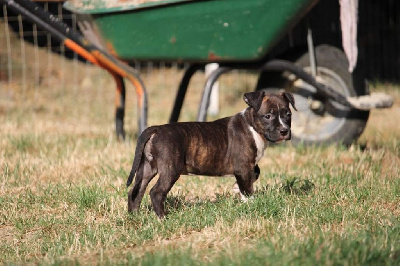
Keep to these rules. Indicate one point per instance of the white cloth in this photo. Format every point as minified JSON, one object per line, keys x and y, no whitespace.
{"x":348,"y":21}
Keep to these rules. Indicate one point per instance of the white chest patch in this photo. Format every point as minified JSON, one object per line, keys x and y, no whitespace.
{"x":260,"y":143}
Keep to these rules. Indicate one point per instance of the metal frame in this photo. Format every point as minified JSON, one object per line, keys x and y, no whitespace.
{"x":181,"y":93}
{"x":276,"y":65}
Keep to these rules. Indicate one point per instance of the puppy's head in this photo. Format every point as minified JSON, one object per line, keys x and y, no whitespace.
{"x":271,"y":114}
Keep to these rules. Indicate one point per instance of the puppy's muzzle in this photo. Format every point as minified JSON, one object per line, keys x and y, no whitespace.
{"x":284,"y":132}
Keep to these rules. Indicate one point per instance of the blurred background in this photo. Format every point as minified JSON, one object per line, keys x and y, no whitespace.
{"x":34,"y":65}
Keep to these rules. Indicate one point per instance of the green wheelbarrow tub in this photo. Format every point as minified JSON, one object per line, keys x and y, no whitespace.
{"x":197,"y":30}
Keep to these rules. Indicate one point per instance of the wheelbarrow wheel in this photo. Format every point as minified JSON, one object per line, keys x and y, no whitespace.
{"x":320,"y":121}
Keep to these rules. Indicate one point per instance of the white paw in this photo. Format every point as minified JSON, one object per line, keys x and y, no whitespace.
{"x":236,"y":190}
{"x":246,"y":199}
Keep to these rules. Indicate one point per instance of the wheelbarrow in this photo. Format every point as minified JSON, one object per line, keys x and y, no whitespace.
{"x":239,"y":35}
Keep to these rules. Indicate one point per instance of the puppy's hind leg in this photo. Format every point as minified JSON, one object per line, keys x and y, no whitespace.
{"x":158,"y":193}
{"x":144,"y":175}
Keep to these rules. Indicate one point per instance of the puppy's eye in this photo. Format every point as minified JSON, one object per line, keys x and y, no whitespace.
{"x":268,"y":116}
{"x":289,"y":114}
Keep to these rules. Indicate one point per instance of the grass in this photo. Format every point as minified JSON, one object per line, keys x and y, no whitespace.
{"x":63,"y":194}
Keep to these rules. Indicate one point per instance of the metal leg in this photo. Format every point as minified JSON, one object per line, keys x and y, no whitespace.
{"x":311,"y":52}
{"x":143,"y":113}
{"x":120,"y":107}
{"x":205,"y":100}
{"x":142,"y":101}
{"x":180,"y":96}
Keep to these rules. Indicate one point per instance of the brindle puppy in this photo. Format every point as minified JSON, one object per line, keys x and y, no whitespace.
{"x":228,"y":146}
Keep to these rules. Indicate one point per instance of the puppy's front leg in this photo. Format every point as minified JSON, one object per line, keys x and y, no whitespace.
{"x":245,"y":180}
{"x":254,"y":176}
{"x":256,"y":172}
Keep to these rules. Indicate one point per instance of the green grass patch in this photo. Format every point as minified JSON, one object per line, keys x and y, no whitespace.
{"x":63,"y":195}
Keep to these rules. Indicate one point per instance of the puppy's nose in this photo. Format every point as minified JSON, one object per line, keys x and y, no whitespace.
{"x":284,"y":131}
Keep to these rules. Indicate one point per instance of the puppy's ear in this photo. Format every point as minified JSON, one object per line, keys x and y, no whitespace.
{"x":254,"y":99}
{"x":289,"y":98}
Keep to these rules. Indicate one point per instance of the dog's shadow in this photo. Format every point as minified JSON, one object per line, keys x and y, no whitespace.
{"x":293,"y":186}
{"x":175,"y":202}
{"x":181,"y":202}
{"x":297,"y":186}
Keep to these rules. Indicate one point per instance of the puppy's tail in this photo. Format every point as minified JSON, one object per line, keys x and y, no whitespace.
{"x":141,"y":143}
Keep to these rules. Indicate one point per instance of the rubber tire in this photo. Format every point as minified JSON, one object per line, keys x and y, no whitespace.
{"x":333,"y":59}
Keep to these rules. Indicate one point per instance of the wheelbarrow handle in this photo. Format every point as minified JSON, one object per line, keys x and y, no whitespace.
{"x":76,"y":42}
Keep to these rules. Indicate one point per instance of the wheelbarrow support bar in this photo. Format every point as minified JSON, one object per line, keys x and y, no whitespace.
{"x":325,"y":91}
{"x":76,"y":42}
{"x":277,"y":65}
{"x":363,"y":103}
